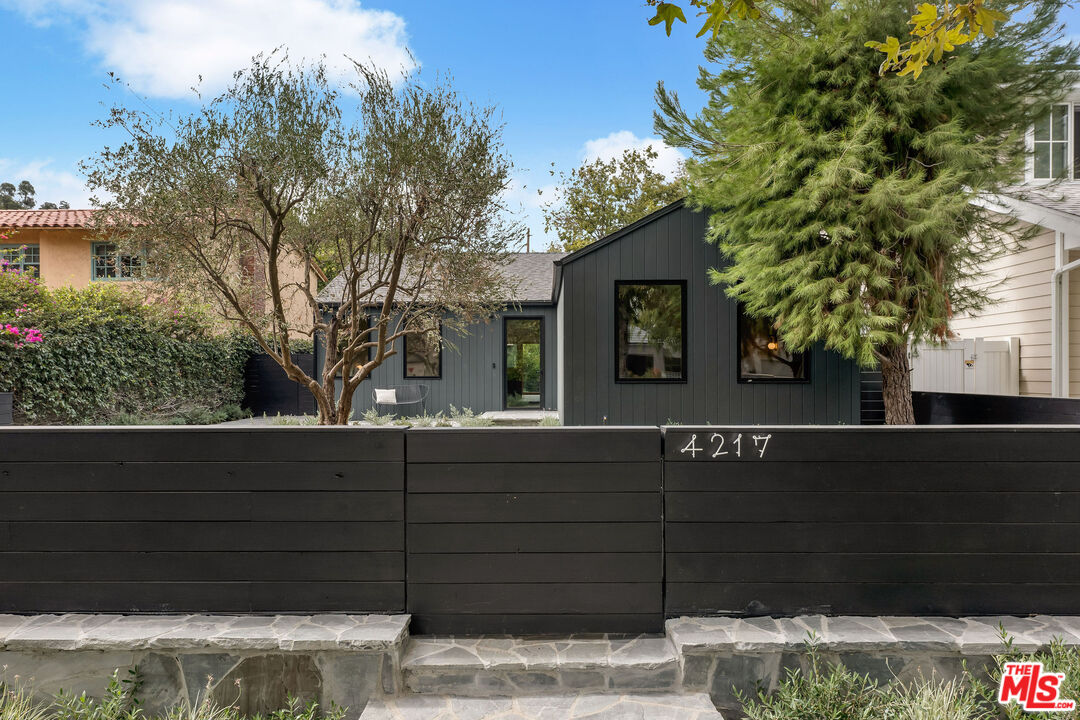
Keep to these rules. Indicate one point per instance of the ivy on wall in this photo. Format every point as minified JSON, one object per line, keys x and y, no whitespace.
{"x":106,"y":353}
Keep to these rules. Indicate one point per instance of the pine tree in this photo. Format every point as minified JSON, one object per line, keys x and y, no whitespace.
{"x":842,"y":198}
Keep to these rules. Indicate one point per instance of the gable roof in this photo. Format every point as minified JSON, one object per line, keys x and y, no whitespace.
{"x":556,"y":282}
{"x":530,"y":274}
{"x":621,"y":232}
{"x":45,"y":218}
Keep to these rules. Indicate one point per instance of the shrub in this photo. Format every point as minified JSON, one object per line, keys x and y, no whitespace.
{"x":1058,"y":657}
{"x":120,"y":702}
{"x":108,"y":356}
{"x":833,"y":692}
{"x":17,"y":702}
{"x":465,"y":417}
{"x":839,"y":694}
{"x":280,"y":419}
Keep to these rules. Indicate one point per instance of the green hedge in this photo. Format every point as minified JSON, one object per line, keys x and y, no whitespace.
{"x":108,"y":355}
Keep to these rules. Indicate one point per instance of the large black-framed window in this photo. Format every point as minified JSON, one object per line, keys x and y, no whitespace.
{"x":762,"y":356}
{"x":423,"y":353}
{"x":650,"y":331}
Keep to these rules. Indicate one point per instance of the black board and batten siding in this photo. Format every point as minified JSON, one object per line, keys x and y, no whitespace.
{"x":202,"y":520}
{"x":472,"y":367}
{"x":517,"y":530}
{"x":872,"y":521}
{"x":670,"y":245}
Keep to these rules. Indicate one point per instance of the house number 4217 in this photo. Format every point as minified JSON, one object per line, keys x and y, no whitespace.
{"x":719,"y":445}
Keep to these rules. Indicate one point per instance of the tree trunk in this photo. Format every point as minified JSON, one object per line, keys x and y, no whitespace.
{"x":896,"y":385}
{"x":344,"y":409}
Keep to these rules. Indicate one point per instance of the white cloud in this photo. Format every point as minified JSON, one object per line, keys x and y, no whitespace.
{"x":668,"y":158}
{"x":51,"y":184}
{"x":161,"y":48}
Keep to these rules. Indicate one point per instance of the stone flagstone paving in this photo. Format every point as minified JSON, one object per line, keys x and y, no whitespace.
{"x":489,"y":665}
{"x":559,"y":707}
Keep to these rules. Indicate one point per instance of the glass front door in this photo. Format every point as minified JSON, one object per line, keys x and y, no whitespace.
{"x":524,"y":373}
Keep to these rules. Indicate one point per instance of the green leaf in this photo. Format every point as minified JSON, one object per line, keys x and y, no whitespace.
{"x":667,"y":13}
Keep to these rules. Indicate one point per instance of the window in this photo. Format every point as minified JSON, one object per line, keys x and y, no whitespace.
{"x":27,"y":258}
{"x":423,"y":353}
{"x":762,"y":355}
{"x":524,"y":365}
{"x":650,"y":331}
{"x":1051,"y":144}
{"x":108,"y":264}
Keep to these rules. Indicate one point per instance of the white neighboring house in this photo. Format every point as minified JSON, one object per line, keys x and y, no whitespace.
{"x":1035,"y":300}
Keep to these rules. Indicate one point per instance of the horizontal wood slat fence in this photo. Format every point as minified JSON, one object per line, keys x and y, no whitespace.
{"x":872,"y":521}
{"x":253,"y":520}
{"x":541,"y":530}
{"x":547,"y":530}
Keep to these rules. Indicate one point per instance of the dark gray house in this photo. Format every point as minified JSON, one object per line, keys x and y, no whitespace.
{"x":628,"y":331}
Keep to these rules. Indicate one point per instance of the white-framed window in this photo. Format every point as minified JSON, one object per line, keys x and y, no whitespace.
{"x":1055,"y":144}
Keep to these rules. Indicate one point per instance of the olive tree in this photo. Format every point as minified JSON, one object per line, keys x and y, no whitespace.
{"x":398,"y":181}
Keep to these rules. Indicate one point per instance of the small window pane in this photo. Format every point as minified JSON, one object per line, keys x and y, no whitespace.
{"x":1061,"y":122}
{"x":762,"y":355}
{"x":423,"y":353}
{"x":649,"y":331}
{"x":1042,"y":128}
{"x":1042,"y":160}
{"x":1076,"y":143}
{"x":1059,"y":158}
{"x":27,"y":258}
{"x":108,"y":264}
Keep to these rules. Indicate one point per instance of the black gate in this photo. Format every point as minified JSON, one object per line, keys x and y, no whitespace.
{"x":523,"y":530}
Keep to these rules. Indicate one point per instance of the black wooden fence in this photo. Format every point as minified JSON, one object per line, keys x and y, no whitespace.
{"x":201,"y":520}
{"x":535,"y":530}
{"x":934,"y":408}
{"x":872,"y":521}
{"x":541,"y":530}
{"x":269,"y":391}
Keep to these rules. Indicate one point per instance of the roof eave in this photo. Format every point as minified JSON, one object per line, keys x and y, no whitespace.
{"x":608,"y":239}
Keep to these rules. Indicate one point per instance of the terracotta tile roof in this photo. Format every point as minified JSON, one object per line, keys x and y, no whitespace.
{"x":45,"y":218}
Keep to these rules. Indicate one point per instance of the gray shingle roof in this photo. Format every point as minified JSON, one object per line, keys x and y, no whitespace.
{"x":1064,"y":197}
{"x":530,"y":274}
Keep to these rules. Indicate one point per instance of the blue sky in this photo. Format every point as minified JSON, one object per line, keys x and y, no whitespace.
{"x":573,"y":79}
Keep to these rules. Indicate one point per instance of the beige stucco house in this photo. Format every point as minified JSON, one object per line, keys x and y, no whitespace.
{"x":62,"y":249}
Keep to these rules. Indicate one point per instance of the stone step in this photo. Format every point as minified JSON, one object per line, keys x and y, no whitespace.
{"x":594,"y":706}
{"x":504,"y":666}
